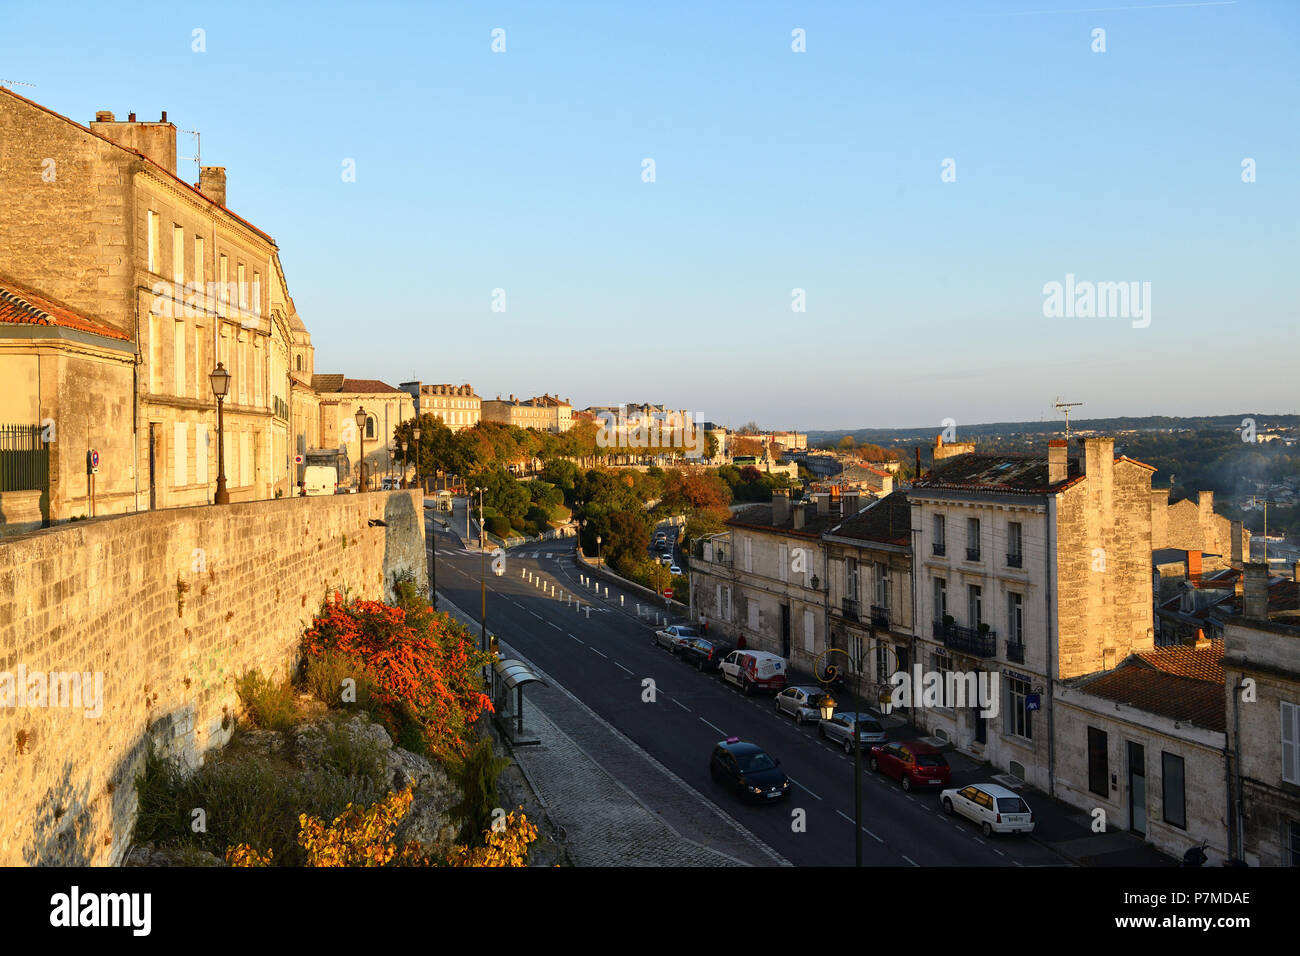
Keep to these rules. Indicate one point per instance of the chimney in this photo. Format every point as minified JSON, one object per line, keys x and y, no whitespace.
{"x":212,"y":183}
{"x":1058,"y":465}
{"x":823,"y":502}
{"x":1205,"y":507}
{"x":155,"y":140}
{"x":1236,"y":545}
{"x":1193,"y":564}
{"x":780,"y":506}
{"x":1295,"y":572}
{"x":1099,"y":458}
{"x":796,"y":511}
{"x":850,"y":503}
{"x":1254,"y":594}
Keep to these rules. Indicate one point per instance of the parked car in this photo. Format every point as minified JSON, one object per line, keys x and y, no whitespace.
{"x":749,"y":770}
{"x":802,"y":703}
{"x":673,"y":635}
{"x":839,"y":730}
{"x":996,"y":809}
{"x":391,"y":484}
{"x":911,"y":763}
{"x":753,"y":670}
{"x":705,"y":654}
{"x":673,"y":569}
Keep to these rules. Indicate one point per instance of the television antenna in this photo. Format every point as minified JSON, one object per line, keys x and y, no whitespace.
{"x":1065,"y":407}
{"x":16,"y":83}
{"x":197,"y":161}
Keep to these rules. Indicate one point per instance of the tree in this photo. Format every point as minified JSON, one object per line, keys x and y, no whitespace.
{"x":847,"y":443}
{"x":749,"y":428}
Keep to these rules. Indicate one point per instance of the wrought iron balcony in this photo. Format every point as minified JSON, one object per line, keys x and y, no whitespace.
{"x":972,"y":554}
{"x":1016,"y":560}
{"x":1016,"y":652}
{"x":879,"y":616}
{"x":967,"y":640}
{"x":939,"y":549}
{"x":850,"y":608}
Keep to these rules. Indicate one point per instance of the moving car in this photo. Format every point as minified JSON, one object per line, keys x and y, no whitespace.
{"x":803,"y":703}
{"x":839,"y":730}
{"x":673,"y":569}
{"x":996,"y":809}
{"x":673,"y":635}
{"x":749,"y":770}
{"x":753,"y":670}
{"x":705,"y":654}
{"x":391,"y":484}
{"x":911,"y":763}
{"x":665,"y":559}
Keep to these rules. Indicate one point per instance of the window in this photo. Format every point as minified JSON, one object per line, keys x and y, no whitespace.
{"x":1015,"y":618}
{"x":151,"y":233}
{"x":941,"y":663}
{"x":1098,"y":764}
{"x":178,"y":258}
{"x":974,"y":605}
{"x":972,"y":539}
{"x":882,"y":662}
{"x":257,"y":293}
{"x":180,"y":449}
{"x":1015,"y":556}
{"x":245,"y":459}
{"x":749,"y":555}
{"x":1291,"y":842}
{"x":1290,"y":742}
{"x":940,"y":599}
{"x":851,"y":578}
{"x":783,"y":558}
{"x":300,"y":363}
{"x":1172,"y":786}
{"x":242,"y":291}
{"x":201,"y":454}
{"x":751,"y":608}
{"x":1018,"y":722}
{"x":882,"y":585}
{"x":939,"y":542}
{"x":809,"y":630}
{"x":199,"y":270}
{"x":179,"y":368}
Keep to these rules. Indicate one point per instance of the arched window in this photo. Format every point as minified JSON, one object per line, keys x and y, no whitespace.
{"x":300,"y":363}
{"x":370,"y":426}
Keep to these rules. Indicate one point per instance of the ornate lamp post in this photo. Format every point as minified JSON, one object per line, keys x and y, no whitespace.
{"x":220,"y":379}
{"x":361,"y":440}
{"x":402,"y":445}
{"x":483,"y":644}
{"x":415,"y":440}
{"x":827,"y":676}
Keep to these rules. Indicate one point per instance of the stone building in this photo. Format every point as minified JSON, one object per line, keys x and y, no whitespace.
{"x":456,"y":405}
{"x":96,"y":218}
{"x":545,"y":413}
{"x":386,"y":407}
{"x":1193,"y":526}
{"x":1033,"y":569}
{"x":1261,"y":669}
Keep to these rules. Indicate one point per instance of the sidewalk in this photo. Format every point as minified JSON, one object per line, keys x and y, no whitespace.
{"x":588,"y":774}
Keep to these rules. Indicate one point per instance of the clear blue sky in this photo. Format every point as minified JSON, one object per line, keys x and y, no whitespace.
{"x":775,"y":170}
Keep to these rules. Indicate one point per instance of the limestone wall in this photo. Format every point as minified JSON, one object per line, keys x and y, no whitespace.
{"x":169,"y":607}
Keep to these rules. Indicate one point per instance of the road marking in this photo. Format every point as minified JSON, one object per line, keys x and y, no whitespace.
{"x":685,"y":708}
{"x":536,"y":615}
{"x":554,"y":625}
{"x":617,"y":664}
{"x":998,"y":852}
{"x":978,"y":840}
{"x":910,"y":860}
{"x":716,"y":727}
{"x":864,"y":829}
{"x":606,"y":656}
{"x":801,"y":786}
{"x":580,"y":642}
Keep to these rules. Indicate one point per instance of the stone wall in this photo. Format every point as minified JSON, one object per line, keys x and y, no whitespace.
{"x":169,"y":607}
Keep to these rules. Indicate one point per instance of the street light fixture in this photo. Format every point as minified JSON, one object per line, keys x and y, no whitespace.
{"x":483,"y":644}
{"x":220,"y":379}
{"x":415,"y":434}
{"x":361,"y":440}
{"x":826,"y":677}
{"x":402,"y":445}
{"x":598,"y":549}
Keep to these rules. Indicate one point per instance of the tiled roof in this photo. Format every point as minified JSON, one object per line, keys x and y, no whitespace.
{"x":760,"y":516}
{"x":1197,"y":702}
{"x":327,"y":383}
{"x":367,"y":386}
{"x":887,"y":519}
{"x":153,"y":163}
{"x":1005,"y":473}
{"x":1201,"y":663}
{"x":20,"y":305}
{"x":1283,"y":595}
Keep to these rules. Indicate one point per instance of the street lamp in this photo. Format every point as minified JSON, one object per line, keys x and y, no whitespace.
{"x":220,"y":380}
{"x":415,"y":435}
{"x":597,"y":549}
{"x":402,"y":445}
{"x":361,"y":440}
{"x":483,"y":644}
{"x":827,"y":705}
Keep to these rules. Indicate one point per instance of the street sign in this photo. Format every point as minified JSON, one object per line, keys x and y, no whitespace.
{"x":668,"y":592}
{"x":297,"y":459}
{"x":92,"y":461}
{"x":1033,"y":702}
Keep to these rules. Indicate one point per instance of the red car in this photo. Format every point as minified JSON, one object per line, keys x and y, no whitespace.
{"x":911,"y":762}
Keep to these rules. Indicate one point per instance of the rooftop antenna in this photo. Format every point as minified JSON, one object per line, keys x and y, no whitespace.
{"x":16,"y":83}
{"x":197,"y":161}
{"x":1065,"y":407}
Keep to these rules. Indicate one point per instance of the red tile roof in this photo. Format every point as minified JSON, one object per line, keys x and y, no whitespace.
{"x":1200,"y":663}
{"x":20,"y":305}
{"x":368,"y":385}
{"x":1197,"y":702}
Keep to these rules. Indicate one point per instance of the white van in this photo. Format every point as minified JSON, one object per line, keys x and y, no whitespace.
{"x":320,"y":479}
{"x":753,"y":670}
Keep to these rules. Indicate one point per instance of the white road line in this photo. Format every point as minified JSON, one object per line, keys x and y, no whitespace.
{"x":554,"y":625}
{"x":801,"y":786}
{"x":1018,"y":863}
{"x":715,"y":727}
{"x":606,"y":656}
{"x":998,"y":852}
{"x":864,"y":829}
{"x":978,"y":840}
{"x":910,"y":860}
{"x":684,"y":707}
{"x":536,"y":615}
{"x":580,"y":642}
{"x":617,"y":664}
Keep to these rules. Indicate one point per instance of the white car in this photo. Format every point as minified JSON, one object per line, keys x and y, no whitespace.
{"x":996,"y":809}
{"x":674,"y":569}
{"x":673,"y":635}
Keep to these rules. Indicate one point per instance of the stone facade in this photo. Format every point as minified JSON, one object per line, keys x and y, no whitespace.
{"x":456,"y":405}
{"x":545,"y":413}
{"x":170,"y":607}
{"x":1193,"y":526}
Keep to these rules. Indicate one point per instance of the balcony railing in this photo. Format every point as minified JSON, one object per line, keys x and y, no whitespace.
{"x":850,"y":608}
{"x":967,"y":640}
{"x":972,"y":554}
{"x":1016,"y":560}
{"x":1016,"y":652}
{"x":940,"y":550}
{"x":879,"y":616}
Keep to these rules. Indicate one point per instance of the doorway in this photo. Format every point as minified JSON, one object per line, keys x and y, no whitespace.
{"x":785,"y":631}
{"x":153,"y":465}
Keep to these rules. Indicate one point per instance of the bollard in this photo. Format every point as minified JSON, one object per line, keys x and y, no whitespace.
{"x":523,"y":572}
{"x":606,"y":590}
{"x":620,"y":600}
{"x":589,"y":612}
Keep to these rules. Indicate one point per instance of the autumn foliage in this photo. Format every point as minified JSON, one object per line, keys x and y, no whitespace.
{"x":419,"y":665}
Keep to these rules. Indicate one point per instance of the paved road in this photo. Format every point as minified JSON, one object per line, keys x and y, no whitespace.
{"x":605,"y":656}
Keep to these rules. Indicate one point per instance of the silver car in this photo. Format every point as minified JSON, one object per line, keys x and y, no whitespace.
{"x":839,"y":730}
{"x":803,"y":703}
{"x":672,"y":636}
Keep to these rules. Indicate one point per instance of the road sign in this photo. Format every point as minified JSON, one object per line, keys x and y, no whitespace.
{"x":297,"y":459}
{"x":668,"y":592}
{"x":92,"y":461}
